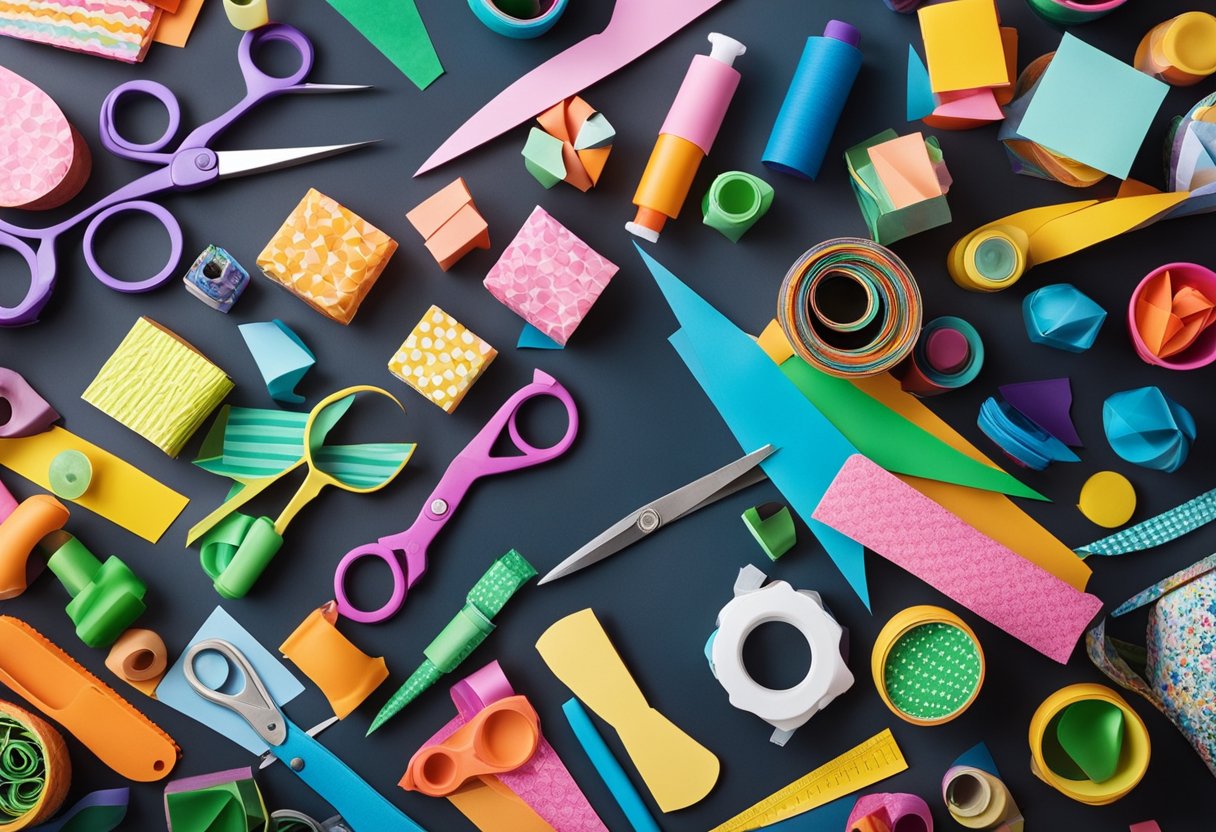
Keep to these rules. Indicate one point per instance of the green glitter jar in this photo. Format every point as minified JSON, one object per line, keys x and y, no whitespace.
{"x":928,"y":665}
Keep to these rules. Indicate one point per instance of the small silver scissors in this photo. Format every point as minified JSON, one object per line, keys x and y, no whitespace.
{"x":631,"y":528}
{"x":362,"y":807}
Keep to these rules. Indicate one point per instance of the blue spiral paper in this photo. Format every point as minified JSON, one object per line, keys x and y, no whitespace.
{"x":814,"y":101}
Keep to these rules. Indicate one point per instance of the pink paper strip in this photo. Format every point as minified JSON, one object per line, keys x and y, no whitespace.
{"x":899,"y":523}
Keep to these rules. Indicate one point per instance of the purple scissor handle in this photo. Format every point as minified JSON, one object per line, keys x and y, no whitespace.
{"x":472,"y":463}
{"x":192,"y":165}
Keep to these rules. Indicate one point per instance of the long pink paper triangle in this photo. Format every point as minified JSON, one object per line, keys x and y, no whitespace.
{"x":896,"y":521}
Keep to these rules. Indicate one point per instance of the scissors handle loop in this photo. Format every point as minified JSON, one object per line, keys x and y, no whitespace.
{"x":41,"y":278}
{"x":400,"y":584}
{"x":252,"y":702}
{"x":120,"y":145}
{"x":167,"y":220}
{"x":258,"y":81}
{"x":481,"y":447}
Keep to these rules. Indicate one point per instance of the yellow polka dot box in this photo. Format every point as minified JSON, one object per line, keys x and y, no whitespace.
{"x":327,"y":255}
{"x":441,"y":359}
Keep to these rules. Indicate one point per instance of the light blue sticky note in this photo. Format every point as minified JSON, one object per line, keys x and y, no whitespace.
{"x":531,"y":338}
{"x":1093,"y":108}
{"x":761,"y":406}
{"x":920,"y":93}
{"x":212,"y":670}
{"x":281,"y":356}
{"x":978,"y":756}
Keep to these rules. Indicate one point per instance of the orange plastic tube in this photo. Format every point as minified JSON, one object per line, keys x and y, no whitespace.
{"x":139,"y":658}
{"x":108,"y":725}
{"x":20,"y":532}
{"x":343,"y":672}
{"x":666,"y":181}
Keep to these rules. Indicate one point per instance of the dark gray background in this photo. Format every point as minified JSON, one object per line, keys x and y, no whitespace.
{"x":646,"y":426}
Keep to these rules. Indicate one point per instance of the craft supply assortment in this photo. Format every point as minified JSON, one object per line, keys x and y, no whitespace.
{"x":946,"y":551}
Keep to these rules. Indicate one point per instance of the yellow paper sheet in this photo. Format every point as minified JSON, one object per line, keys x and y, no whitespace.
{"x":963,"y":45}
{"x":119,"y":491}
{"x":174,"y":29}
{"x":677,"y":769}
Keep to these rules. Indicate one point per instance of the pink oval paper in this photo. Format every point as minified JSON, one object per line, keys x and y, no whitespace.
{"x":43,"y":161}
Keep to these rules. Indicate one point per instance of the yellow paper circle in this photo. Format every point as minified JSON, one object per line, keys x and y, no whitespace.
{"x":1108,"y":499}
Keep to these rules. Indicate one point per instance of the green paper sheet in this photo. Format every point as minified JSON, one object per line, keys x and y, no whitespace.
{"x":1091,"y":734}
{"x":891,"y":440}
{"x":396,"y":29}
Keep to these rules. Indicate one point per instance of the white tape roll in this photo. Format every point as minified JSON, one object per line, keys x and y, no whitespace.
{"x":753,"y":605}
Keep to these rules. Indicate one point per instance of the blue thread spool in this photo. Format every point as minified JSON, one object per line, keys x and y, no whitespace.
{"x":814,"y":101}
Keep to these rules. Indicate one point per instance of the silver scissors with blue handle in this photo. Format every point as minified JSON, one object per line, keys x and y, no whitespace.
{"x":362,"y":807}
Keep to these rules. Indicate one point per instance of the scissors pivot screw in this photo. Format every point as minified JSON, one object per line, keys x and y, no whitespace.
{"x":439,"y":507}
{"x":296,"y":764}
{"x":649,"y":520}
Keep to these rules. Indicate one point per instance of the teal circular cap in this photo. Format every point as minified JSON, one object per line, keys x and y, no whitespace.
{"x":996,"y":259}
{"x":70,"y":474}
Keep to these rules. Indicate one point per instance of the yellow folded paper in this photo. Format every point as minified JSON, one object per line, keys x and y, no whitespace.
{"x":159,"y":386}
{"x":677,"y":769}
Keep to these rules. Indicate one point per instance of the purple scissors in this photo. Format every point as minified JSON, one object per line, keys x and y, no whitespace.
{"x":192,"y":165}
{"x":472,"y":463}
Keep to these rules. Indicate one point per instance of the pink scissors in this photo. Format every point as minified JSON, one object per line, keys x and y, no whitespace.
{"x":472,"y":463}
{"x":192,"y":165}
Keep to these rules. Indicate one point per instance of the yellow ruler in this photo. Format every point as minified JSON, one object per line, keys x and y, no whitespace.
{"x":875,"y":759}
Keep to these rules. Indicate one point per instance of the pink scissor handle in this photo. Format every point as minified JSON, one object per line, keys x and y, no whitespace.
{"x":478,"y":451}
{"x":400,"y":584}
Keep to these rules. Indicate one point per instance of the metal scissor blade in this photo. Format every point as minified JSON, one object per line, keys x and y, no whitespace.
{"x":268,"y":758}
{"x":713,"y":486}
{"x":624,"y":532}
{"x":708,"y":489}
{"x":320,"y":89}
{"x":242,"y":162}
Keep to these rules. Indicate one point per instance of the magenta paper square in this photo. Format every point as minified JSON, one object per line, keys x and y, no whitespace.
{"x":549,"y":277}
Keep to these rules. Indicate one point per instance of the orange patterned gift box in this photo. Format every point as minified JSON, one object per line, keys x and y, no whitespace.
{"x":327,"y":255}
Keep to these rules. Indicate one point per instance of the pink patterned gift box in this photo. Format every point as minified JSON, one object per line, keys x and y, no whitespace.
{"x":549,"y":277}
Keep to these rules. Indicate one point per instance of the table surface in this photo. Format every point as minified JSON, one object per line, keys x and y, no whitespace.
{"x":646,"y":426}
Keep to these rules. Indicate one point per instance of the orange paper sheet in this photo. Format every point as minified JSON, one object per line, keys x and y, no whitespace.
{"x":905,"y":170}
{"x":174,"y":29}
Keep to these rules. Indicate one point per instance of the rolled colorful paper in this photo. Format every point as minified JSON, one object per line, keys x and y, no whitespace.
{"x":735,"y":202}
{"x":1125,"y":768}
{"x":814,"y":101}
{"x":35,"y":770}
{"x":977,"y":798}
{"x":216,"y":279}
{"x":247,"y":14}
{"x":1170,"y":316}
{"x":1181,"y":51}
{"x":1022,"y":439}
{"x":850,"y":307}
{"x":949,"y":354}
{"x":1068,"y":12}
{"x":1063,"y":317}
{"x":28,"y":413}
{"x":519,"y":20}
{"x":46,"y":161}
{"x":1146,"y":427}
{"x":928,"y":665}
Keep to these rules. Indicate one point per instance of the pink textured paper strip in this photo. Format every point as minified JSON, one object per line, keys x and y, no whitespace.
{"x":549,"y":277}
{"x":899,"y":523}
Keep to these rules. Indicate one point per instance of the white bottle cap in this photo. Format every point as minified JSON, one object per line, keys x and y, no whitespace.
{"x":725,"y":48}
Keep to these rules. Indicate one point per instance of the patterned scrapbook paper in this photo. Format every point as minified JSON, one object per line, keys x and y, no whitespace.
{"x":117,"y":29}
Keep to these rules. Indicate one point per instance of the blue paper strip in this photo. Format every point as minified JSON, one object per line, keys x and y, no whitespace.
{"x":761,"y":407}
{"x":608,"y":768}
